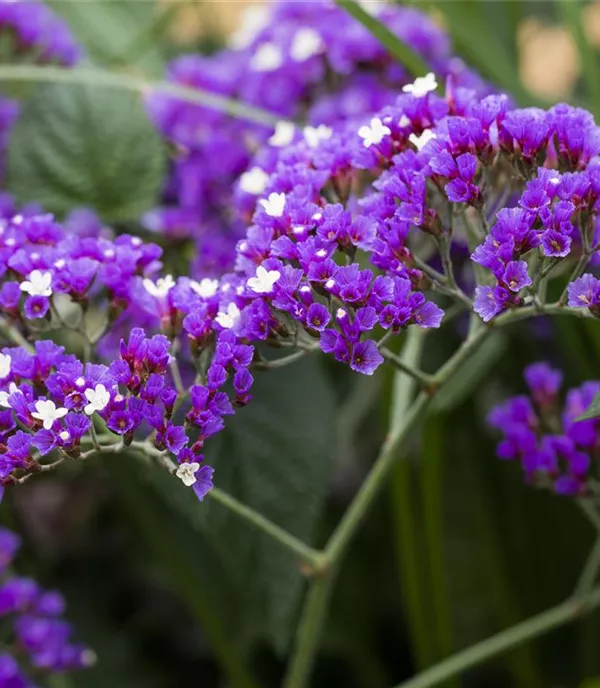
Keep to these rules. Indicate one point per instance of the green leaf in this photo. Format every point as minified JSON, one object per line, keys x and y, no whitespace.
{"x":470,"y":376}
{"x":79,"y":145}
{"x":107,"y":30}
{"x":593,"y":411}
{"x":275,"y":456}
{"x":413,"y":62}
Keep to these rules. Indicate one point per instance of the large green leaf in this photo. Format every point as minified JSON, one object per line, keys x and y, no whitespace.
{"x":78,"y":145}
{"x":275,"y":456}
{"x":113,"y":33}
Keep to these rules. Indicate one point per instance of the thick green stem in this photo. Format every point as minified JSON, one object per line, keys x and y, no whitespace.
{"x":98,"y":77}
{"x":501,"y":642}
{"x":315,"y":606}
{"x":368,"y":491}
{"x":309,"y":556}
{"x":398,"y":362}
{"x":310,"y":630}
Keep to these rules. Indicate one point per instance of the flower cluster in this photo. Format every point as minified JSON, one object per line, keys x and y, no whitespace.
{"x":555,"y":449}
{"x":298,"y":60}
{"x":33,"y":617}
{"x":33,"y":31}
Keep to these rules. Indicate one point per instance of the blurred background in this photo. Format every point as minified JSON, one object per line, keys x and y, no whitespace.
{"x":171,"y":594}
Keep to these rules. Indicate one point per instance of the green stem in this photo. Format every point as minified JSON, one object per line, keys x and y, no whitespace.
{"x":407,"y":529}
{"x":402,"y":52}
{"x":432,"y":498}
{"x":590,"y":572}
{"x":14,"y":336}
{"x":532,"y":628}
{"x":128,"y":82}
{"x":309,"y":632}
{"x":423,"y":379}
{"x":407,"y":543}
{"x":369,"y":489}
{"x":308,"y":555}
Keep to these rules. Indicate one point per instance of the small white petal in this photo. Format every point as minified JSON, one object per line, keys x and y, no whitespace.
{"x":267,"y":58}
{"x":422,"y":140}
{"x":284,"y":134}
{"x":254,"y":181}
{"x":314,"y":135}
{"x":274,"y":205}
{"x":264,"y":281}
{"x":38,"y":284}
{"x":306,"y":43}
{"x":186,"y":473}
{"x":229,"y":318}
{"x":205,"y":288}
{"x":422,"y":85}
{"x":161,"y":288}
{"x":5,"y":361}
{"x":374,"y":133}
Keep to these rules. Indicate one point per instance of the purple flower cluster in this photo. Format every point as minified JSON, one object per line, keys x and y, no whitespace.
{"x":554,"y":448}
{"x":39,"y":635}
{"x":33,"y":31}
{"x":298,"y":60}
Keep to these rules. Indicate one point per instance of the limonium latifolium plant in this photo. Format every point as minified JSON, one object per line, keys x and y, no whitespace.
{"x":373,"y":212}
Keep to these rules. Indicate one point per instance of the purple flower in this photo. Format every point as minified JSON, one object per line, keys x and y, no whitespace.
{"x":516,"y":276}
{"x":555,"y":244}
{"x":36,"y":307}
{"x":544,"y":383}
{"x":366,"y":357}
{"x":317,"y":317}
{"x":204,"y":482}
{"x":584,"y":292}
{"x":488,"y":303}
{"x":174,"y":438}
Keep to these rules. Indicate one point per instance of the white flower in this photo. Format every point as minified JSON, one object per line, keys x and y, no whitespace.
{"x":307,"y":42}
{"x":267,"y":58}
{"x":373,"y":7}
{"x":65,"y":435}
{"x":375,"y":133}
{"x":404,"y":121}
{"x":47,"y":412}
{"x":5,"y":360}
{"x":186,"y":473}
{"x":284,"y":134}
{"x":254,"y":181}
{"x":420,"y":141}
{"x":38,"y":284}
{"x":205,"y":288}
{"x":274,"y":205}
{"x":98,"y":399}
{"x":162,"y":287}
{"x":254,"y":20}
{"x":12,"y":388}
{"x":422,"y":85}
{"x":229,"y":318}
{"x":264,"y":280}
{"x":314,"y":135}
